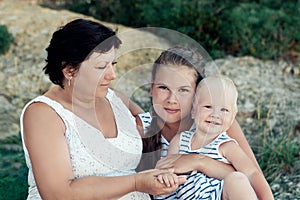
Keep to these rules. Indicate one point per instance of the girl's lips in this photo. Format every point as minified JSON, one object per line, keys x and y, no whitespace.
{"x":171,"y":111}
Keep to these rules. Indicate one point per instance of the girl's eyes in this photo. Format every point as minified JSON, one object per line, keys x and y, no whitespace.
{"x":162,"y":87}
{"x":207,"y":106}
{"x":184,"y":90}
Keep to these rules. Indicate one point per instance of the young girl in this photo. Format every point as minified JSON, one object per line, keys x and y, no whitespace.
{"x":175,"y":75}
{"x":214,"y":109}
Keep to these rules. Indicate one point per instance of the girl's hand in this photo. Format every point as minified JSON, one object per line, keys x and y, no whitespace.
{"x":149,"y":181}
{"x":185,"y":163}
{"x":182,"y":163}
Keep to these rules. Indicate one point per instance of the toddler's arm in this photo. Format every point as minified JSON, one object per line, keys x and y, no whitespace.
{"x":236,"y":132}
{"x":241,"y":162}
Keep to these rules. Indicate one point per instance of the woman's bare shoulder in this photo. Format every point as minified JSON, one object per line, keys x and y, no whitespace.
{"x":39,"y":114}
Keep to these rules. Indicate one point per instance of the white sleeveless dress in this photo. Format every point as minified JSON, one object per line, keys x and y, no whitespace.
{"x":91,"y":154}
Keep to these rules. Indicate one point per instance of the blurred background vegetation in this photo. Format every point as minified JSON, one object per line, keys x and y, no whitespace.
{"x":265,"y":29}
{"x":5,"y":39}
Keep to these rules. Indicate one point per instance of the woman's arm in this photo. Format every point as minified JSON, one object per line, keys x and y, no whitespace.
{"x":236,"y":133}
{"x":45,"y":140}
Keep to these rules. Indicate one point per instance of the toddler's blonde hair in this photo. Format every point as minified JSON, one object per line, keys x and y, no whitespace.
{"x":226,"y":82}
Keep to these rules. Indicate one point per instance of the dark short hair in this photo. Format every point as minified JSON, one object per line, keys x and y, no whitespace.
{"x":71,"y":44}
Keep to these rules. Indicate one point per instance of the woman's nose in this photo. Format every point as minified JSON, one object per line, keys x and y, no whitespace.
{"x":110,"y":72}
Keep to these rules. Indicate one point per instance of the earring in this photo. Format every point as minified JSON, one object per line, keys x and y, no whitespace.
{"x":69,"y":81}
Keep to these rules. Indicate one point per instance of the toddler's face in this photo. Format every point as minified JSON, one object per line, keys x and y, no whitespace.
{"x":214,"y":109}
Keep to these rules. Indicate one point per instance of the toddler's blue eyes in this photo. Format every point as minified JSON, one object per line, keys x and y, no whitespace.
{"x":224,"y":110}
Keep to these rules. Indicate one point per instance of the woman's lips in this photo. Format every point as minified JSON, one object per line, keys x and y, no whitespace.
{"x":104,"y":85}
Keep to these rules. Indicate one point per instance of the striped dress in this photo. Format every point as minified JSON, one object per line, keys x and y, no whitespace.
{"x":146,"y":121}
{"x":198,"y":185}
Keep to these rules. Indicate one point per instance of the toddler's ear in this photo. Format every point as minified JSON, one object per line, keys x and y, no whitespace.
{"x":193,"y":112}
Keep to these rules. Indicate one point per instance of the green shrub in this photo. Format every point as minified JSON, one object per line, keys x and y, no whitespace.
{"x":13,"y":170}
{"x":264,"y":29}
{"x":256,"y":30}
{"x":5,"y":39}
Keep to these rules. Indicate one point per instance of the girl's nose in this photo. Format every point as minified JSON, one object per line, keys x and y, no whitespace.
{"x":172,"y":98}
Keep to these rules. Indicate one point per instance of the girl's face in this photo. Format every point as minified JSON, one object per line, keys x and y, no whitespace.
{"x":172,"y":92}
{"x":95,"y":74}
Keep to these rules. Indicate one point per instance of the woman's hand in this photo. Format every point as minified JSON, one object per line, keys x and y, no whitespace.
{"x":148,"y":182}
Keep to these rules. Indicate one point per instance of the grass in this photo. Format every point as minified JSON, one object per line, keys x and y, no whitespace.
{"x":276,"y":144}
{"x":279,"y":147}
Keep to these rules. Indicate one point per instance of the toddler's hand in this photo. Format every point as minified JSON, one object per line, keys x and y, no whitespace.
{"x":169,"y":179}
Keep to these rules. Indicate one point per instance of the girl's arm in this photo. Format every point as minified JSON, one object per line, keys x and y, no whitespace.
{"x":236,"y":133}
{"x":183,"y":163}
{"x":241,"y":162}
{"x":134,"y":108}
{"x":49,"y":154}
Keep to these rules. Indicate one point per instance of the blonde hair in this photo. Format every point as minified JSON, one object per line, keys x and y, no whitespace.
{"x":226,"y":82}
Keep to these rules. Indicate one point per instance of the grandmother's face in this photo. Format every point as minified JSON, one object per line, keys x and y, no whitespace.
{"x":95,"y":74}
